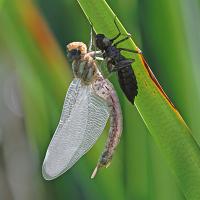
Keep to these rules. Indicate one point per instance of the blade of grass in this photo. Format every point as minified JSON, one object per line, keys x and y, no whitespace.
{"x":1,"y":3}
{"x":163,"y":121}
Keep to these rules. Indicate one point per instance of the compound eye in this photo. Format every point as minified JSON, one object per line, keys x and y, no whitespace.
{"x":74,"y":54}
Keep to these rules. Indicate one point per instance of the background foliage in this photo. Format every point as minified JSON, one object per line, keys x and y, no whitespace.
{"x":34,"y":77}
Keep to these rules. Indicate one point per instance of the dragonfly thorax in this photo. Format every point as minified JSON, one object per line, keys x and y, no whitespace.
{"x":83,"y":65}
{"x":85,"y":69}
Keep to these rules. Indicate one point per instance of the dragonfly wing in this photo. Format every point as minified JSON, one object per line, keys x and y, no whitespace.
{"x":77,"y":132}
{"x":69,"y":102}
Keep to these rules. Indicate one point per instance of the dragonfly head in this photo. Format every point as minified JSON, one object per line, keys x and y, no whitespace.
{"x":74,"y":54}
{"x":75,"y":49}
{"x":102,"y":41}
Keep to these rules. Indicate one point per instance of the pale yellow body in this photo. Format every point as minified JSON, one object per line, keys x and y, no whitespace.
{"x":84,"y":68}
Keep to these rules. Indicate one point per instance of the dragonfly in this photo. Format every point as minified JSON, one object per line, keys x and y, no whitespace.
{"x":90,"y":101}
{"x":116,"y":62}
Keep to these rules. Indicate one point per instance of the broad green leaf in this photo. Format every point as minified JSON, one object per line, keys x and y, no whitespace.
{"x":1,"y":3}
{"x":164,"y":122}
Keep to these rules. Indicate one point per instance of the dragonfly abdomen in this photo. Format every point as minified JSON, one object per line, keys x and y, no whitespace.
{"x":115,"y":123}
{"x":114,"y":132}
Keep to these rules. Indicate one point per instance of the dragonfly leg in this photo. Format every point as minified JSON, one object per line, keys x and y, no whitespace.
{"x":92,"y":38}
{"x":95,"y":54}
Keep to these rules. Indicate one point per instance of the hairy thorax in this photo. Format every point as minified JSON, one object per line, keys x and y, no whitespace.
{"x":85,"y":69}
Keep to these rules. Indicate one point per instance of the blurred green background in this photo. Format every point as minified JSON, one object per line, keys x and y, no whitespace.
{"x":35,"y":75}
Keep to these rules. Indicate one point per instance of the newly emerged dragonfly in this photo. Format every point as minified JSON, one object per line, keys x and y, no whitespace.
{"x":89,"y":102}
{"x":116,"y":62}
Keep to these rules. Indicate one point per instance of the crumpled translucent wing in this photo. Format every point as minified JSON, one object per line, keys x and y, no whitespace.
{"x":82,"y":121}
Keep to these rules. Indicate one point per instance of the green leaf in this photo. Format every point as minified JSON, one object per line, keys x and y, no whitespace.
{"x":160,"y":116}
{"x":1,"y":3}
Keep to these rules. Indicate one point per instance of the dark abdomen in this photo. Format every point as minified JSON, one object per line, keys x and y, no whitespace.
{"x":128,"y":83}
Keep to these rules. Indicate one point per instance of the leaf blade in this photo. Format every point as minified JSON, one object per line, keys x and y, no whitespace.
{"x":163,"y":121}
